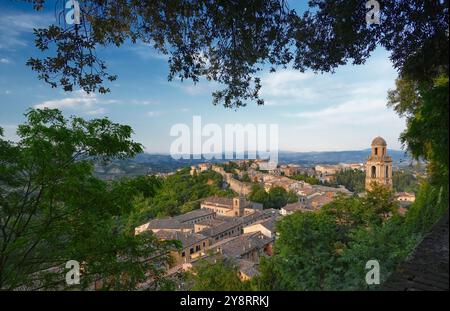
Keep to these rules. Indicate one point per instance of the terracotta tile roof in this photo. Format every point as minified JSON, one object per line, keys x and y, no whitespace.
{"x":243,"y":244}
{"x":219,"y":200}
{"x":186,"y":239}
{"x":164,"y":223}
{"x":224,"y":226}
{"x":267,"y":223}
{"x":247,"y":267}
{"x":193,"y":215}
{"x":293,"y":207}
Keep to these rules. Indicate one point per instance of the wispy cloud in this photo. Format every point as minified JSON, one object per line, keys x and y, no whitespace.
{"x":354,"y":113}
{"x":13,"y":26}
{"x":9,"y":132}
{"x":203,"y":87}
{"x":147,"y":52}
{"x":153,"y":113}
{"x":292,"y":88}
{"x":80,"y":102}
{"x":4,"y":61}
{"x":143,"y":102}
{"x":98,"y":111}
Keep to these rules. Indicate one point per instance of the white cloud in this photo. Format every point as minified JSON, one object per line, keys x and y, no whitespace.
{"x":340,"y":111}
{"x":291,"y":88}
{"x":285,"y":83}
{"x":347,"y":126}
{"x":348,"y":113}
{"x":202,"y":87}
{"x":9,"y":132}
{"x":153,"y":113}
{"x":142,"y":102}
{"x":14,"y":25}
{"x":98,"y":111}
{"x":147,"y":52}
{"x":4,"y":61}
{"x":80,"y":102}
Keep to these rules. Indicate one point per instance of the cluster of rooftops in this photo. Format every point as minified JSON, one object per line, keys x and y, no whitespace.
{"x":233,"y":228}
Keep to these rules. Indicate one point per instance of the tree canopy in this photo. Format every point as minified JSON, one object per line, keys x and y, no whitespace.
{"x":328,"y":249}
{"x":52,"y":208}
{"x":230,"y":42}
{"x":219,"y":274}
{"x":276,"y":197}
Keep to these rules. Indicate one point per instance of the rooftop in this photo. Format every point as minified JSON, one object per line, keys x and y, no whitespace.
{"x":247,"y":267}
{"x":186,"y":239}
{"x":193,"y":215}
{"x":164,"y":223}
{"x":267,"y":223}
{"x":320,"y":199}
{"x":320,"y":188}
{"x":293,"y":207}
{"x":243,"y":244}
{"x":378,"y":141}
{"x":225,"y":225}
{"x":215,"y":200}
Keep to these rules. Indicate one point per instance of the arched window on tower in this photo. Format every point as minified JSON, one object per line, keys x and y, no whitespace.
{"x":376,"y":151}
{"x":387,"y":172}
{"x":373,"y":172}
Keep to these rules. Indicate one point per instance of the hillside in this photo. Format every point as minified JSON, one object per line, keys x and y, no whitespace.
{"x":146,"y":163}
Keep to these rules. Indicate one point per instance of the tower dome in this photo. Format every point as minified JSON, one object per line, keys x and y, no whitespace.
{"x":379,"y":141}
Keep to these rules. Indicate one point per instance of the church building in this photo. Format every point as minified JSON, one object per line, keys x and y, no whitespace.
{"x":379,"y":165}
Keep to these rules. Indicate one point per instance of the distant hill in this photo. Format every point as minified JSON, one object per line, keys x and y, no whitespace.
{"x":335,"y":157}
{"x":146,"y":163}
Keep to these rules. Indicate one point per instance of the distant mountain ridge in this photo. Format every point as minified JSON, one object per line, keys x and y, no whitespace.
{"x":312,"y":157}
{"x":147,"y":163}
{"x":335,"y":157}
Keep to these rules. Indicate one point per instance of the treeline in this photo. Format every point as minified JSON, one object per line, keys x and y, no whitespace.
{"x":354,"y":180}
{"x":405,"y":182}
{"x":306,"y":178}
{"x":176,"y":194}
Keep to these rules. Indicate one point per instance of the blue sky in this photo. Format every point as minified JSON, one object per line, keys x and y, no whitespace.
{"x":340,"y":111}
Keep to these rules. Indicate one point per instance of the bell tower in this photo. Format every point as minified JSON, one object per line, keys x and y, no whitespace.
{"x":238,"y":206}
{"x":379,"y":165}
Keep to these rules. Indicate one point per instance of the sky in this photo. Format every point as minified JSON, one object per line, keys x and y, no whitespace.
{"x":315,"y":112}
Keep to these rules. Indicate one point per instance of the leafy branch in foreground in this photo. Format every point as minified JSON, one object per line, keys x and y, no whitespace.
{"x":230,"y":42}
{"x":52,"y":209}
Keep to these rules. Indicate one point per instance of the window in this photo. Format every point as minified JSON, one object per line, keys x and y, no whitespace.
{"x":374,"y":171}
{"x":197,"y":248}
{"x":387,"y":172}
{"x":204,"y":244}
{"x":183,"y":254}
{"x":376,"y":151}
{"x":191,"y":251}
